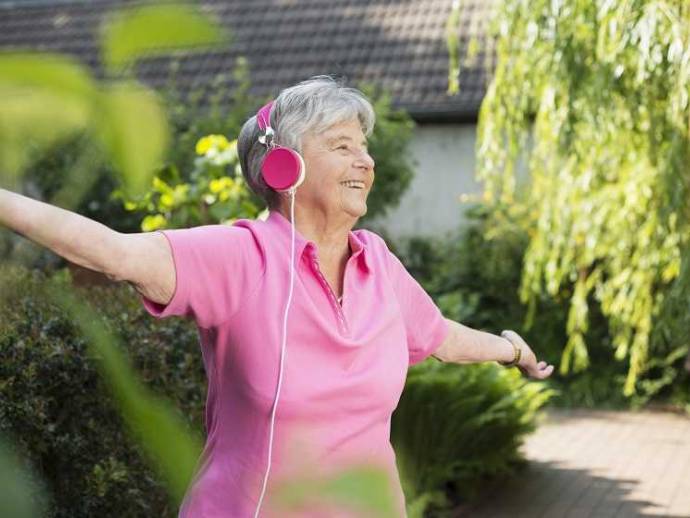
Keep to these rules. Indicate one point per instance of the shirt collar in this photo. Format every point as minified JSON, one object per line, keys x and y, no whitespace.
{"x":302,"y":245}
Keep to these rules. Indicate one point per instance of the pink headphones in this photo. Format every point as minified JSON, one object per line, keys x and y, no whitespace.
{"x":283,"y":168}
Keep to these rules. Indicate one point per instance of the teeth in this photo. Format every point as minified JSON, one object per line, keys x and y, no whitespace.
{"x":355,"y":184}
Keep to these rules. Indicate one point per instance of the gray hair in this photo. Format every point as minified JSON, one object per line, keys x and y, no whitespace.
{"x":309,"y":107}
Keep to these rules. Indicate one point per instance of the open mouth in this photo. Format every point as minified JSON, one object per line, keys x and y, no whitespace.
{"x":353,"y":184}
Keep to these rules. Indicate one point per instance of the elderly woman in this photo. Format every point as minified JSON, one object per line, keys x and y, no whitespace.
{"x":307,"y":328}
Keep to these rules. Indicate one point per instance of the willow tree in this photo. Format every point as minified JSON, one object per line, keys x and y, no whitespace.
{"x":592,"y":95}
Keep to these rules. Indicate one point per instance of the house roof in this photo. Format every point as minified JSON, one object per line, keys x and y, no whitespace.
{"x":399,"y":45}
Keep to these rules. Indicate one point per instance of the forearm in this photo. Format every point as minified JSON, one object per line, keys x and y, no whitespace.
{"x":467,"y":345}
{"x":76,"y":238}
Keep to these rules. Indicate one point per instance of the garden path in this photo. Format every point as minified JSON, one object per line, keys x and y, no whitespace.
{"x":584,"y":463}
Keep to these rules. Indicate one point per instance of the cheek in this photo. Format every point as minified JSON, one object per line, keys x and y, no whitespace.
{"x":317,"y":185}
{"x":324,"y":174}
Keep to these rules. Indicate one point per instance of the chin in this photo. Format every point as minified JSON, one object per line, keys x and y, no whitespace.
{"x":357,"y":212}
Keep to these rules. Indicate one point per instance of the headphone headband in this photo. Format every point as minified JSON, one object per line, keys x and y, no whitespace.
{"x":263,"y":116}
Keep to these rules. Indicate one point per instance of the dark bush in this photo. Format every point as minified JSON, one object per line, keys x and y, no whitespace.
{"x":57,"y":411}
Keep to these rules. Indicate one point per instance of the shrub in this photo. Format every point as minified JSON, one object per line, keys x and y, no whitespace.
{"x":457,"y":426}
{"x":55,"y":407}
{"x":212,"y":195}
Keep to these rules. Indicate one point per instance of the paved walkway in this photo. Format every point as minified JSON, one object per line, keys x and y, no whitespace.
{"x":598,"y":464}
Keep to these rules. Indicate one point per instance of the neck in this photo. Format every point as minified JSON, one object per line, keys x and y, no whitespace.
{"x":329,"y":232}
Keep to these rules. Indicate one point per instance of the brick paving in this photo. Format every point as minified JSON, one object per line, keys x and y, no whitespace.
{"x":585,"y":463}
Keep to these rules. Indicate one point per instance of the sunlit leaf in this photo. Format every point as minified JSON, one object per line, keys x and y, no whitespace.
{"x":31,"y":119}
{"x":156,"y":29}
{"x":134,"y":130}
{"x":58,"y":73}
{"x":363,"y":489}
{"x":22,"y":495}
{"x":42,"y":97}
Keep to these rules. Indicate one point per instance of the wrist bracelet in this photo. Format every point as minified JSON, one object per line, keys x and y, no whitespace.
{"x":516,"y":358}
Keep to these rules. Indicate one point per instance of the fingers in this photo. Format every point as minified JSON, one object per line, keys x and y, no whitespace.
{"x":543,"y":371}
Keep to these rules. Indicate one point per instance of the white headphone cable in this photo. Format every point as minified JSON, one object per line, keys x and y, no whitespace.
{"x":282,"y":352}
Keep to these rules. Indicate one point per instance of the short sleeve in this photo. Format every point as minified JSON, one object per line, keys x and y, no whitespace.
{"x":425,"y":324}
{"x":216,"y":268}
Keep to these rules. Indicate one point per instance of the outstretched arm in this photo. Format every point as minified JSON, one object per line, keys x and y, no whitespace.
{"x":144,"y":260}
{"x":466,"y":345}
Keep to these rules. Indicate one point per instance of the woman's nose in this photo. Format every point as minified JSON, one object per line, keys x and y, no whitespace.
{"x":366,"y":159}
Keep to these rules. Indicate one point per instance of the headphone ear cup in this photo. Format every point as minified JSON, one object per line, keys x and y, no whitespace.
{"x":283,"y":169}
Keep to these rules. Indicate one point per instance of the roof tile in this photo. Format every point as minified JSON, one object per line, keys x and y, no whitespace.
{"x":397,"y":44}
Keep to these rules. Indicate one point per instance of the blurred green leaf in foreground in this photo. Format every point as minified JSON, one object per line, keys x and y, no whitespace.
{"x":45,"y":96}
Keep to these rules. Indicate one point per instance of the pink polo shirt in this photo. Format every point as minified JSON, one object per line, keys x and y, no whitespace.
{"x":345,"y":367}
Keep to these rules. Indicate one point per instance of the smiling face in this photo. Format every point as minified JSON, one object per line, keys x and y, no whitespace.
{"x":339,"y":170}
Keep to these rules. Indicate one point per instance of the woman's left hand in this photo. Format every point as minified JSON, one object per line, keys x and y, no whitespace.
{"x":528,"y":364}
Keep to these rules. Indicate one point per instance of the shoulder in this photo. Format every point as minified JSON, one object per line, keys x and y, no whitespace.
{"x":203,"y":233}
{"x":218,"y":241}
{"x":215,"y":236}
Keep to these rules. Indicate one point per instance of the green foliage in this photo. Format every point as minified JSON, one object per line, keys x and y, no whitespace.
{"x":200,"y":182}
{"x":41,"y":99}
{"x":21,"y":494}
{"x":134,"y":129}
{"x":148,"y":30}
{"x":206,"y":109}
{"x":74,"y":172}
{"x":60,"y":411}
{"x":49,"y":96}
{"x":457,"y":426}
{"x":368,"y":484}
{"x":474,"y":276}
{"x":212,"y":195}
{"x":594,"y":96}
{"x":148,"y":417}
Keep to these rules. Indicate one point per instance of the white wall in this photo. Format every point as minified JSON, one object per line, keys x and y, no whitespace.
{"x":445,"y":160}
